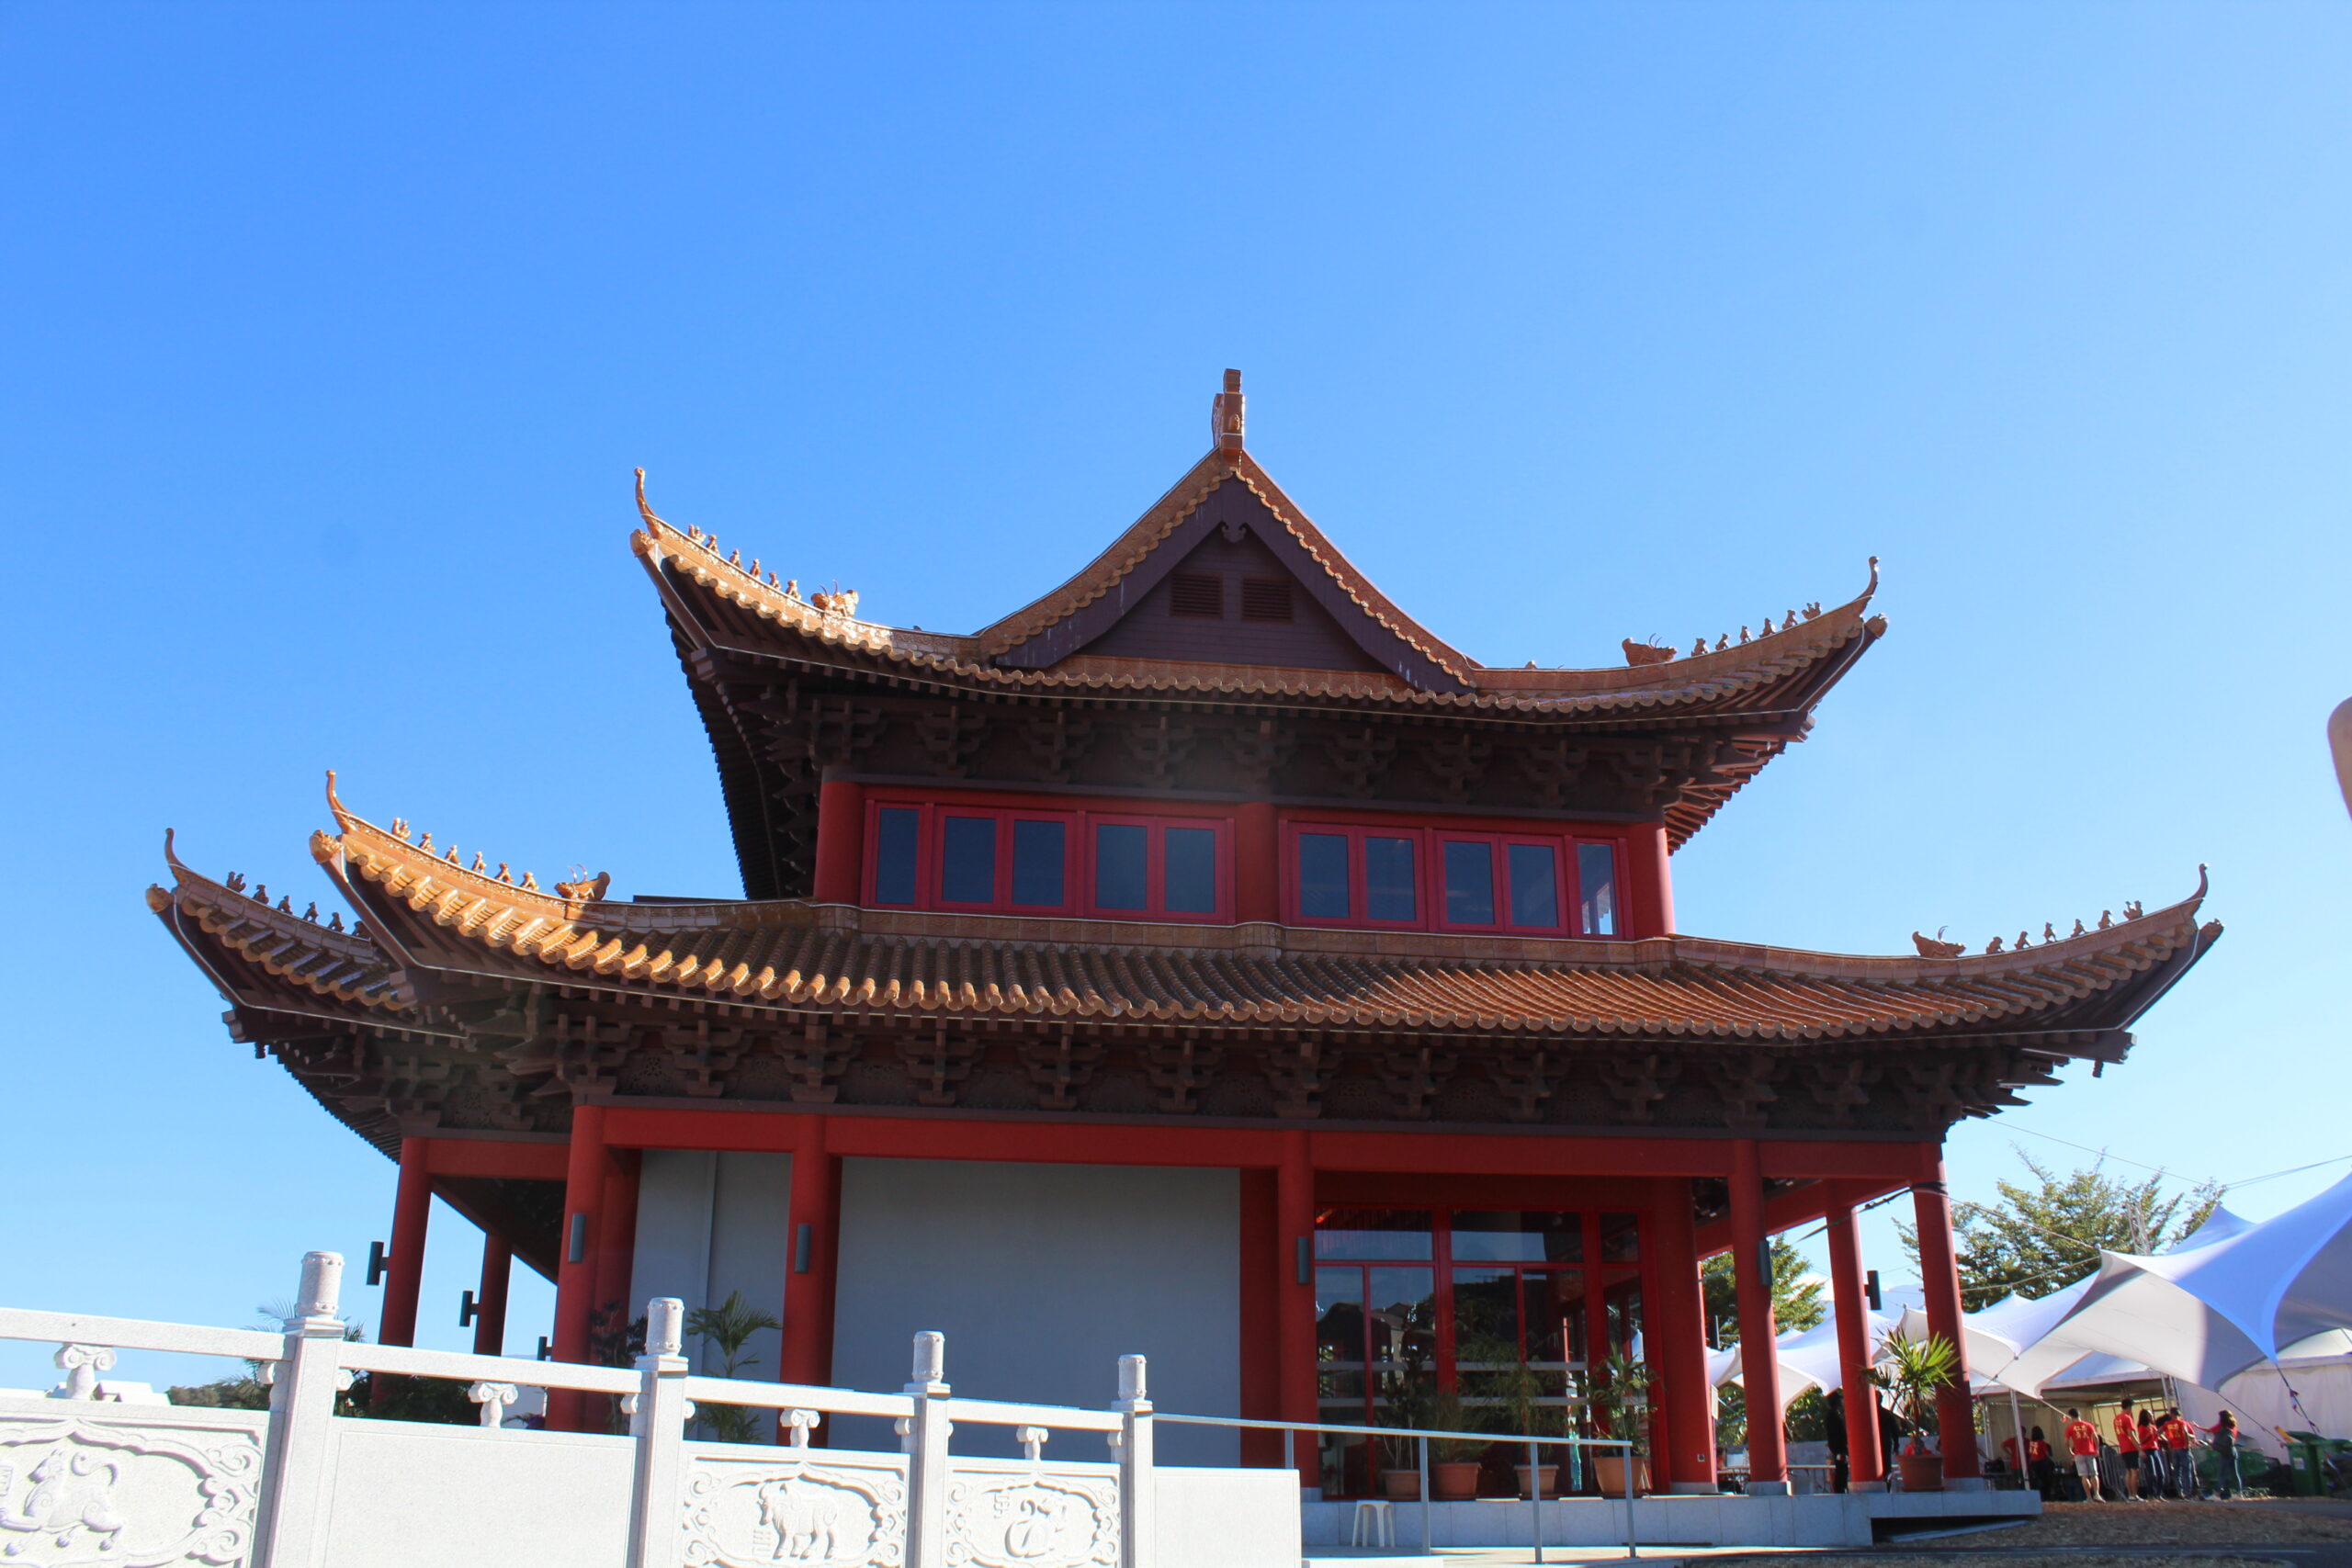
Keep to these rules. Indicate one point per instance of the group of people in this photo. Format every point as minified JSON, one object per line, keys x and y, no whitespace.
{"x":2158,"y":1454}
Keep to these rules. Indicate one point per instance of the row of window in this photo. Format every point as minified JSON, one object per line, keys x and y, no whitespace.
{"x":1122,"y":865}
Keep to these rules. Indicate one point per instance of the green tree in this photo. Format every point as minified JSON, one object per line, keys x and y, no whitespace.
{"x":1796,"y":1299}
{"x":727,"y":1329}
{"x":2047,"y":1231}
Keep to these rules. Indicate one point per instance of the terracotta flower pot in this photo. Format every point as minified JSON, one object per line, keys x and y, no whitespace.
{"x":1922,"y":1473}
{"x":1608,"y":1471}
{"x":1402,"y":1485}
{"x":1532,"y":1475}
{"x":1452,"y":1481}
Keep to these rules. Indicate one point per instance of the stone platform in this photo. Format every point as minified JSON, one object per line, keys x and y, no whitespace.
{"x":1848,"y":1519}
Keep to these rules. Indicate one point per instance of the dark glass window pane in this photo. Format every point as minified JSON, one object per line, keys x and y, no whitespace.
{"x":1486,"y":1332}
{"x":1512,"y":1236}
{"x":1401,"y":1312}
{"x":1374,"y":1234}
{"x":1323,"y":876}
{"x":1597,"y":871}
{"x":1388,"y":891}
{"x":1620,"y":1236}
{"x":968,"y":861}
{"x":893,"y":854}
{"x":1037,"y":855}
{"x":1469,"y":884}
{"x":1119,"y":866}
{"x":1340,"y":1336}
{"x":1188,"y":870}
{"x":1534,"y":896}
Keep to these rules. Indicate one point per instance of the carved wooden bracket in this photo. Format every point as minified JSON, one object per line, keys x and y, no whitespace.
{"x":815,"y":1064}
{"x":1060,"y":1068}
{"x":1746,"y":1083}
{"x":1638,"y":1083}
{"x":703,"y":1055}
{"x":939,"y":1065}
{"x":1259,"y":750}
{"x":1414,"y":1079}
{"x":1843,"y":1086}
{"x":1458,"y":762}
{"x":1160,"y":746}
{"x":950,"y":738}
{"x":1300,"y":1073}
{"x":1058,"y":743}
{"x":1361,"y":756}
{"x":1178,"y":1069}
{"x":1550,"y":768}
{"x":1527,"y":1080}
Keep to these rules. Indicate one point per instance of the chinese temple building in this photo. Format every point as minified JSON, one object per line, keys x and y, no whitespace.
{"x":1205,"y":960}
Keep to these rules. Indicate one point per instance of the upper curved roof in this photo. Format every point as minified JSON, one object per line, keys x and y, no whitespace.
{"x":715,"y":601}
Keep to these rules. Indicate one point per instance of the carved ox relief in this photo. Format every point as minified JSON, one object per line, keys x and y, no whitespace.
{"x":1048,"y":1519}
{"x":136,"y":1495}
{"x":815,"y":1515}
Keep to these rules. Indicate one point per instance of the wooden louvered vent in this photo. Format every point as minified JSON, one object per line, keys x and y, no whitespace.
{"x":1200,"y":594}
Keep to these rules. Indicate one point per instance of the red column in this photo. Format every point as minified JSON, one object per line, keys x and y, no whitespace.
{"x":841,"y":842}
{"x":1261,"y":1315}
{"x":810,"y":1268}
{"x":1257,"y":863}
{"x":1939,"y":1279}
{"x":1758,"y":1363}
{"x":1684,"y":1446}
{"x":1294,"y":1220}
{"x":412,"y":1210}
{"x":489,"y":1297}
{"x":1864,"y":1461}
{"x":1651,"y":874}
{"x":616,"y":1234}
{"x":575,"y":1279}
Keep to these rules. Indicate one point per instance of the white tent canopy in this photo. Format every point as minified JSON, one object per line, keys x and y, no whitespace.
{"x":2231,"y":1296}
{"x":1807,"y":1356}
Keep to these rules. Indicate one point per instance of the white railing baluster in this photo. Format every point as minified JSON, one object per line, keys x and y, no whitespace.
{"x":1138,"y":1491}
{"x":300,"y":1458}
{"x":659,"y":1425}
{"x":926,"y":1432}
{"x":493,"y":1398}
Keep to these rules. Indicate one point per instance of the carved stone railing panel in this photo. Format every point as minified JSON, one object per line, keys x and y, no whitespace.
{"x":128,"y":1488}
{"x":1016,"y":1515}
{"x":812,"y":1508}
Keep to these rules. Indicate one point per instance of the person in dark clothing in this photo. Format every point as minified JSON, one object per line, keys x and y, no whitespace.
{"x":1833,"y":1420}
{"x":2041,"y":1473}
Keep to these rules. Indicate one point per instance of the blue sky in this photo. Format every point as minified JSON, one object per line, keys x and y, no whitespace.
{"x":334,"y":333}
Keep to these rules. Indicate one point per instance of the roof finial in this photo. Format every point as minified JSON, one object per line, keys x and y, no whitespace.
{"x":643,"y":510}
{"x":1224,"y":414}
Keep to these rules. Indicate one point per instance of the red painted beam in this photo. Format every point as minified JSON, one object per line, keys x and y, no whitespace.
{"x":1800,"y":1207}
{"x":475,"y":1156}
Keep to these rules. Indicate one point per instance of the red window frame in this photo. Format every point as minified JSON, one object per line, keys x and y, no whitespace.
{"x":1078,"y":861}
{"x":1428,"y":878}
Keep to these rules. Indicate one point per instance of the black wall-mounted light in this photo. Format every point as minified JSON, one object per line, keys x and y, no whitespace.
{"x":547,"y":1351}
{"x":1869,"y":1291}
{"x":468,"y":1309}
{"x":379,"y":1262}
{"x":804,"y":1237}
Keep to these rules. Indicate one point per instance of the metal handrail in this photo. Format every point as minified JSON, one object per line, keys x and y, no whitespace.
{"x":1421,"y":1437}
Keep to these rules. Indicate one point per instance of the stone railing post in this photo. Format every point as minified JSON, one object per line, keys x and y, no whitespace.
{"x":926,"y":1435}
{"x":1138,"y":1489}
{"x":300,"y":1460}
{"x":659,"y":1425}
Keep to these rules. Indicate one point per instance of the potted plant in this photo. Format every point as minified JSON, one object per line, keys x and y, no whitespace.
{"x":1454,"y":1462}
{"x":1620,"y":1402}
{"x":1522,"y":1389}
{"x":1911,"y":1370}
{"x":1406,"y":1400}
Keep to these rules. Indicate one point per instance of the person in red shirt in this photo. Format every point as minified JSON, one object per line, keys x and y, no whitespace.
{"x":2043,"y":1476}
{"x":2180,"y":1455}
{"x":2127,"y":1442}
{"x":2082,"y":1442}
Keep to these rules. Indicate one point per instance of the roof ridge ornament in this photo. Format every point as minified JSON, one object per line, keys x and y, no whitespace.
{"x":1225,"y":415}
{"x":645,"y":511}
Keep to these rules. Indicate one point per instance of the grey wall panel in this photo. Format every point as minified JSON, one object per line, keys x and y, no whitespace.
{"x":710,"y":1223}
{"x":1042,"y":1276}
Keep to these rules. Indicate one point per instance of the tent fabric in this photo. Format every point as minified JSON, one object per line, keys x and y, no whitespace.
{"x":2232,"y":1296}
{"x":1807,"y":1356}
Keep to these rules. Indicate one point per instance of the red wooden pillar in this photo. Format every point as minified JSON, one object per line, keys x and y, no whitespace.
{"x":841,"y":842}
{"x":616,"y":1235}
{"x":1295,"y":1219}
{"x":812,"y":1231}
{"x":489,"y":1297}
{"x":1865,"y":1463}
{"x":1650,"y":877}
{"x":412,"y":1212}
{"x":1758,"y":1360}
{"x":575,"y":1279}
{"x":1257,"y":869}
{"x":1261,"y":1315}
{"x":1939,"y":1279}
{"x":1685,"y":1401}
